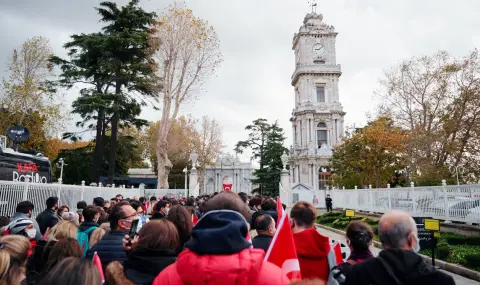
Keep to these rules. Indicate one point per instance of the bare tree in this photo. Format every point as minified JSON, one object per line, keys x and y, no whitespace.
{"x":208,"y":147}
{"x":28,"y":87}
{"x":188,"y":54}
{"x":436,"y":98}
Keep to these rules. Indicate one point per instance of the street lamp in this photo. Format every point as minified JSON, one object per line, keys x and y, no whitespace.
{"x":185,"y":170}
{"x":60,"y":165}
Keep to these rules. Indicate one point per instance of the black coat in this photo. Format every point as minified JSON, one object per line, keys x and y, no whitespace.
{"x":262,"y":241}
{"x":395,"y":267}
{"x":109,"y":248}
{"x":47,"y":219}
{"x":37,"y":261}
{"x":143,"y":265}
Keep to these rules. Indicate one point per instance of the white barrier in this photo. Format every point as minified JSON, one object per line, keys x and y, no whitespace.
{"x":452,"y":203}
{"x":11,"y":193}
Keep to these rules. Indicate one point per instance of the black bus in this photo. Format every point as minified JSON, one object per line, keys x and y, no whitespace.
{"x":24,"y":167}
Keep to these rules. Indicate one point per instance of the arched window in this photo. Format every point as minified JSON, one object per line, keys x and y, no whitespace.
{"x":322,"y":132}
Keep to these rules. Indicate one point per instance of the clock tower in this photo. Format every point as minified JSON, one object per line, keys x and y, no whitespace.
{"x":318,"y":117}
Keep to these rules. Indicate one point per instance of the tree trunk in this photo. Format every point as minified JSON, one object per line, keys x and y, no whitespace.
{"x":113,"y":149}
{"x":99,"y":143}
{"x":113,"y":137}
{"x":164,"y":164}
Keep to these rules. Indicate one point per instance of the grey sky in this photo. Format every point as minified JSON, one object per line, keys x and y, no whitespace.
{"x":256,"y":35}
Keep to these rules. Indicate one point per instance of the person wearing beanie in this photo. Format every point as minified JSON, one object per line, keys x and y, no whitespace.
{"x":24,"y":227}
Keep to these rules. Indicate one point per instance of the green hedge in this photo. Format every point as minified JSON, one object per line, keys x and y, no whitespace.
{"x":473,"y":260}
{"x":444,"y":250}
{"x":463,"y":240}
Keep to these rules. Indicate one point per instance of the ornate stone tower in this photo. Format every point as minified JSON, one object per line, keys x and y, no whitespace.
{"x":317,"y":119}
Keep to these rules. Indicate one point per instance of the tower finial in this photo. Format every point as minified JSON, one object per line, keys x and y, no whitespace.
{"x":313,"y":4}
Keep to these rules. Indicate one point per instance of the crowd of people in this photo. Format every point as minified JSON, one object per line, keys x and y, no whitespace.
{"x":202,"y":240}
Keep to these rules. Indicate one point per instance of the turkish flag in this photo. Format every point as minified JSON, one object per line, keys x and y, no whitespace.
{"x":194,"y":219}
{"x":227,"y":187}
{"x":282,"y":250}
{"x":98,"y":265}
{"x":280,"y":211}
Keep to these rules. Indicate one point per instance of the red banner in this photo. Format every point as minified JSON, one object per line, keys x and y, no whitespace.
{"x":227,"y":187}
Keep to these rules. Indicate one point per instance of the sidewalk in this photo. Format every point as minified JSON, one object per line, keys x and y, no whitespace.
{"x":459,"y":280}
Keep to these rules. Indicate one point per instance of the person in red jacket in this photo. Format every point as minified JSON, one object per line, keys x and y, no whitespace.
{"x":312,"y":247}
{"x":219,"y":253}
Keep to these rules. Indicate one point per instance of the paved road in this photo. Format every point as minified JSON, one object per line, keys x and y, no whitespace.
{"x":459,"y":280}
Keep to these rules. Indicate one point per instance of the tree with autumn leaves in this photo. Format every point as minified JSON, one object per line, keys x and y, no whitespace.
{"x":373,"y":155}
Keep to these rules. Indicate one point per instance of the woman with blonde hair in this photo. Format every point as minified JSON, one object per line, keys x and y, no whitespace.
{"x":13,"y":256}
{"x":97,"y":235}
{"x":36,"y":264}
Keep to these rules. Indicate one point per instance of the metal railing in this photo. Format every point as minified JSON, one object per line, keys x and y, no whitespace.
{"x":11,"y":193}
{"x":452,"y":203}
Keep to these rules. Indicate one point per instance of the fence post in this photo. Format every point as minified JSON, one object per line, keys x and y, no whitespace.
{"x":25,"y":192}
{"x":414,"y":202}
{"x":83,"y":190}
{"x":370,"y":198}
{"x":389,"y":193}
{"x":445,"y":199}
{"x":58,"y":192}
{"x":357,"y":205}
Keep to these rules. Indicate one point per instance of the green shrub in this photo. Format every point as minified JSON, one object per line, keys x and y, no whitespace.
{"x":375,"y":229}
{"x":443,"y":250}
{"x":473,"y":261}
{"x":325,"y":220}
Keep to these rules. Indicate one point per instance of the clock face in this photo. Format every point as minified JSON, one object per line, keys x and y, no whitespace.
{"x":318,"y":49}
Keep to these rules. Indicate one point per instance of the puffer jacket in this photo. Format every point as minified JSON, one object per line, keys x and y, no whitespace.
{"x":219,"y":253}
{"x":109,"y":248}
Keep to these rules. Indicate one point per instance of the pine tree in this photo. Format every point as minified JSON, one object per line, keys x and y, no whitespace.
{"x":117,"y":64}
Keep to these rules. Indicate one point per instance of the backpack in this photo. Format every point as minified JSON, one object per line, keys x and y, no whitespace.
{"x":82,"y":238}
{"x":337,"y":273}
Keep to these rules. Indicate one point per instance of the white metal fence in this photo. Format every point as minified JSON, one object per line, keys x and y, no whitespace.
{"x":452,"y":203}
{"x":11,"y":193}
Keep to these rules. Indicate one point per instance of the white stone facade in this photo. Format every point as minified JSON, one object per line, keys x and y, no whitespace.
{"x":230,"y":170}
{"x":318,"y":116}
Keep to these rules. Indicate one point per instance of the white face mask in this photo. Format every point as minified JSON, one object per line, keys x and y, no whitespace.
{"x":31,"y":233}
{"x":417,"y":240}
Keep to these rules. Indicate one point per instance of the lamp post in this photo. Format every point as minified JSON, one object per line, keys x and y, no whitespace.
{"x":185,"y":170}
{"x":60,"y":165}
{"x":455,"y":170}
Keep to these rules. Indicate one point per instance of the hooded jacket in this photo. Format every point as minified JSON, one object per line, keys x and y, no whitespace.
{"x":396,"y":267}
{"x":219,"y":253}
{"x":312,"y":250}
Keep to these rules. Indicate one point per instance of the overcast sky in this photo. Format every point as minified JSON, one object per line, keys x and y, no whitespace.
{"x":256,"y":38}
